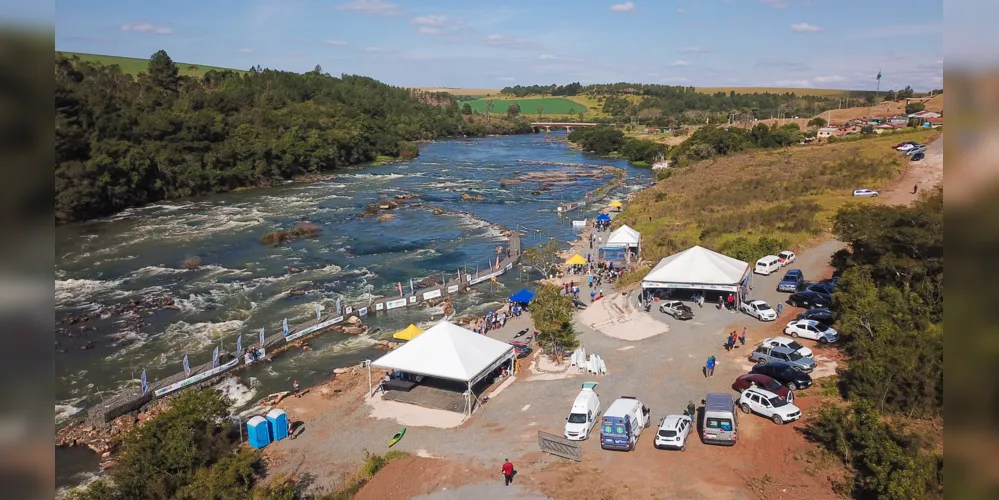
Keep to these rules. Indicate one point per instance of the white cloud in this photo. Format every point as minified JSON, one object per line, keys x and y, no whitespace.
{"x":427,"y":30}
{"x":623,"y":7}
{"x":828,"y":79}
{"x":794,"y":83}
{"x":546,"y":57}
{"x":777,"y":4}
{"x":694,"y":49}
{"x":335,"y":43}
{"x":498,"y":40}
{"x":432,"y":20}
{"x":681,"y":11}
{"x":372,"y":49}
{"x":679,"y":63}
{"x":145,"y":28}
{"x":375,"y":7}
{"x":804,"y":28}
{"x":244,"y":51}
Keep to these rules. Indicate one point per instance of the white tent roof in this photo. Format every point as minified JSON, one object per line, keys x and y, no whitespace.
{"x":624,"y":236}
{"x":447,"y":351}
{"x":698,"y":265}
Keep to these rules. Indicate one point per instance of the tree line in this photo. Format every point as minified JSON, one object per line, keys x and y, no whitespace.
{"x":605,"y":140}
{"x":123,"y":141}
{"x":890,"y":306}
{"x":555,"y":90}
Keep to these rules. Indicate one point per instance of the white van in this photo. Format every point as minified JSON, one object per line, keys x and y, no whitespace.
{"x":584,"y":413}
{"x":623,"y":423}
{"x":767,"y":265}
{"x":721,"y":421}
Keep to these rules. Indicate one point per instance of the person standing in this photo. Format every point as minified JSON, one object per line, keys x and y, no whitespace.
{"x":780,"y":307}
{"x":691,"y":409}
{"x":294,"y":388}
{"x":742,"y":339}
{"x":915,"y":188}
{"x":508,"y":471}
{"x":710,"y":365}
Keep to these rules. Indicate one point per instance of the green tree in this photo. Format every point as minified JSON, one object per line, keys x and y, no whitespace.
{"x":163,"y":72}
{"x":891,"y":96}
{"x":867,"y":130}
{"x":489,"y":108}
{"x":543,"y":258}
{"x":914,"y":107}
{"x":318,"y":70}
{"x":551,"y":312}
{"x":541,"y":110}
{"x":513,"y":110}
{"x":906,"y":93}
{"x":817,"y":122}
{"x":466,"y":109}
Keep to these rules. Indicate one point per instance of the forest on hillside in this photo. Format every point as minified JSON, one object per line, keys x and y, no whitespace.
{"x":124,"y":141}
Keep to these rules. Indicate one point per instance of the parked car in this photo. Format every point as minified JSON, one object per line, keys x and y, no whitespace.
{"x":905,"y":146}
{"x":789,"y":343}
{"x":673,"y":432}
{"x":821,"y":315}
{"x":786,"y":257}
{"x":918,"y":156}
{"x":809,"y":299}
{"x":763,"y":355}
{"x":917,"y":149}
{"x":756,"y":380}
{"x":811,"y":329}
{"x":792,"y":279}
{"x":759,"y":310}
{"x":785,"y":374}
{"x":677,"y":309}
{"x":768,"y":404}
{"x":865,"y":192}
{"x":903,"y":143}
{"x":823,"y":288}
{"x":521,"y":348}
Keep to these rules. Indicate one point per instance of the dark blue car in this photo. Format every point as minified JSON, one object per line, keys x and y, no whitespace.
{"x":792,"y":279}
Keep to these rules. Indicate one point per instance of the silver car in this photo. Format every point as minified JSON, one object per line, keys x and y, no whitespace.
{"x":865,"y":192}
{"x":764,"y":354}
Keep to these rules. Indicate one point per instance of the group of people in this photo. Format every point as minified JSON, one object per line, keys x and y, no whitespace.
{"x":571,"y":288}
{"x":730,"y":341}
{"x":498,"y":318}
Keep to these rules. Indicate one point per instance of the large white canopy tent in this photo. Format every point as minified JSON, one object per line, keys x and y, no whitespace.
{"x":448,"y":351}
{"x":698,"y":268}
{"x":625,"y":236}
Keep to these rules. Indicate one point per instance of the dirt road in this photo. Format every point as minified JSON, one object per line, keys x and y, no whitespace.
{"x":926,"y":174}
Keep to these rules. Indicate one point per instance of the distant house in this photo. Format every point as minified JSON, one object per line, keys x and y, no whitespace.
{"x":934,"y":122}
{"x":876,"y":120}
{"x":848,"y":130}
{"x":925,"y":114}
{"x":825,"y":132}
{"x":899,"y":121}
{"x":880,"y":129}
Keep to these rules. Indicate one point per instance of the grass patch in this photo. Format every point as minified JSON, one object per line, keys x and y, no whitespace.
{"x":134,"y":65}
{"x":301,"y":230}
{"x":632,"y":277}
{"x":766,"y":197}
{"x":529,"y":106}
{"x":382,"y":160}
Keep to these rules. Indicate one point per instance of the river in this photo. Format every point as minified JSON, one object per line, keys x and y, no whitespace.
{"x":243,"y":285}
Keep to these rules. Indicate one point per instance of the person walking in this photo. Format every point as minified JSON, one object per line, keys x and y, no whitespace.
{"x":915,"y":188}
{"x":691,"y":409}
{"x":710,"y":365}
{"x":742,"y":339}
{"x":507,"y":471}
{"x":294,"y":388}
{"x":780,"y":307}
{"x":593,"y":295}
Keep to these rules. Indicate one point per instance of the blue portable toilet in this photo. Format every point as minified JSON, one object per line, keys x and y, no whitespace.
{"x":278,"y":419}
{"x":258,"y":432}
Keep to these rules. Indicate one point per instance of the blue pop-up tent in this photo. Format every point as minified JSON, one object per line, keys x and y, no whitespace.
{"x":523,"y":296}
{"x":603,"y":218}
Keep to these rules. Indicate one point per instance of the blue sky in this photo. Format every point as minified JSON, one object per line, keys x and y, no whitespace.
{"x":429,"y":43}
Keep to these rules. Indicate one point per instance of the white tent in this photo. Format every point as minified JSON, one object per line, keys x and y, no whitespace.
{"x":624,"y":236}
{"x":450,"y":352}
{"x":698,"y":268}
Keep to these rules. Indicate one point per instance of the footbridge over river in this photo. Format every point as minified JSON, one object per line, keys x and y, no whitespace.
{"x":568,"y":125}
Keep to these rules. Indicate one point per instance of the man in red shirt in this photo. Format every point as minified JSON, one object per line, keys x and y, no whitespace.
{"x":508,"y":471}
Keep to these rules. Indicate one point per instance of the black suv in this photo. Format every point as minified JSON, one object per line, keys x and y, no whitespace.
{"x":821,"y":314}
{"x":785,"y":374}
{"x":809,"y":299}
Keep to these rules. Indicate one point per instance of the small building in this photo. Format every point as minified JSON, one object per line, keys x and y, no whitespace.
{"x":925,"y":114}
{"x":825,"y":132}
{"x":880,"y":129}
{"x":899,"y":121}
{"x":934,"y":122}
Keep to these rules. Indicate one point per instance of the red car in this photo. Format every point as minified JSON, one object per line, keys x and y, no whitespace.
{"x":764,"y":382}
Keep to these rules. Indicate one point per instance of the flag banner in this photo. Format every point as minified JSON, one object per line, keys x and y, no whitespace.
{"x":338,"y":306}
{"x":261,"y":340}
{"x":239,"y":344}
{"x":143,"y":380}
{"x":399,"y":285}
{"x":187,"y":366}
{"x":284,"y":325}
{"x":879,"y":74}
{"x":411,"y":290}
{"x":215,"y":357}
{"x":319,"y":312}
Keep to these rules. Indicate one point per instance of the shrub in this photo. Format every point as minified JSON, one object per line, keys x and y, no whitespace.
{"x":191,"y":263}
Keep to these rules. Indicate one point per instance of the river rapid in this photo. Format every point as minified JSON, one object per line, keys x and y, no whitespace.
{"x":243,"y":285}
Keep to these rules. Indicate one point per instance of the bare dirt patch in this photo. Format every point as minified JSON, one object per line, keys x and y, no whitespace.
{"x":412,"y":476}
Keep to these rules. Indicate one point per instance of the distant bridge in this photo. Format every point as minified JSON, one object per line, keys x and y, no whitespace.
{"x":568,"y":125}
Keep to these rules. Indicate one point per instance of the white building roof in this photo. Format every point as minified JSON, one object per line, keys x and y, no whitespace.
{"x":624,"y":236}
{"x":698,"y":265}
{"x":447,"y":351}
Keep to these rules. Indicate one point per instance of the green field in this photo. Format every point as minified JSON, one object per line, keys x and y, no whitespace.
{"x":134,"y":66}
{"x":553,"y":105}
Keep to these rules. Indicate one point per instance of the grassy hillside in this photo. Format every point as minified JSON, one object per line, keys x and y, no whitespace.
{"x":787,"y":195}
{"x":134,"y":65}
{"x":529,"y":106}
